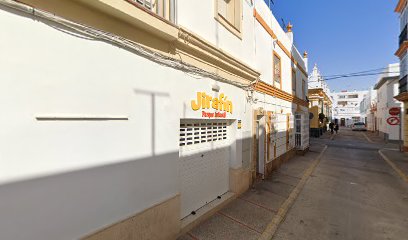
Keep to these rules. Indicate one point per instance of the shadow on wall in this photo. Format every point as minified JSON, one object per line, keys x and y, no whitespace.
{"x":75,"y":204}
{"x":71,"y":205}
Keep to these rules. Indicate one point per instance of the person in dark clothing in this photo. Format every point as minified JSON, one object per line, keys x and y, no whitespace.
{"x":336,"y":128}
{"x":331,"y":126}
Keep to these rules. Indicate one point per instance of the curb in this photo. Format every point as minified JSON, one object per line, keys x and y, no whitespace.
{"x":399,"y":171}
{"x":282,"y":211}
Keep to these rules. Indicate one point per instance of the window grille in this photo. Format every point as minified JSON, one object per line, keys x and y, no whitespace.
{"x":202,"y":131}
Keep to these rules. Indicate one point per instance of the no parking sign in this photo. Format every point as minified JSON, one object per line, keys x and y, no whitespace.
{"x":393,"y":121}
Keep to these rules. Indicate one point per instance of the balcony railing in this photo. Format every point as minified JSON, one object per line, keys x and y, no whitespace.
{"x":162,"y":8}
{"x":403,"y":84}
{"x":403,"y":36}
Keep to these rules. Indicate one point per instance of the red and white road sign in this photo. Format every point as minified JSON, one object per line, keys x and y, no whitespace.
{"x":394,"y":111}
{"x":393,"y":120}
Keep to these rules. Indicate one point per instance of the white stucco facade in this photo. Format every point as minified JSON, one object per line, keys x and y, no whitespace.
{"x":387,"y":88}
{"x":316,"y":80}
{"x":94,"y":133}
{"x":320,"y":97}
{"x":401,"y":53}
{"x":346,"y":107}
{"x":368,"y":108}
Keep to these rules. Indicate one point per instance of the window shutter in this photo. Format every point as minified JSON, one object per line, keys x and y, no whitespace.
{"x":222,"y":7}
{"x":237,"y":13}
{"x":230,"y":11}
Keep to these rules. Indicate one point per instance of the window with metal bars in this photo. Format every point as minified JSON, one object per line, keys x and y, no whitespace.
{"x":163,"y":8}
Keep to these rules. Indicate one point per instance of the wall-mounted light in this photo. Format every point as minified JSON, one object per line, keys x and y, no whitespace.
{"x":274,"y":41}
{"x":215,"y":87}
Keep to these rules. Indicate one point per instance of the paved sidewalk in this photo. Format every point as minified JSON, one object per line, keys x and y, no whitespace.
{"x":247,"y":216}
{"x":374,"y":137}
{"x":327,"y":135}
{"x":398,"y":159}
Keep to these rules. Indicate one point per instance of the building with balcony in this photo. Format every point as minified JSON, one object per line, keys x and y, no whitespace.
{"x":319,"y":98}
{"x":401,"y":53}
{"x":346,"y":107}
{"x":131,"y":119}
{"x":387,"y":87}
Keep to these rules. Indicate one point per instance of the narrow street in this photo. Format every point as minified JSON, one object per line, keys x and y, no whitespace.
{"x":352,"y":194}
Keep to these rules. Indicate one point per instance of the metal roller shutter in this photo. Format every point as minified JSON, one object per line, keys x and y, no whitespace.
{"x":204,"y":162}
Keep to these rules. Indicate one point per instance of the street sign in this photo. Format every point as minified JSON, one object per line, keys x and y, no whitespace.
{"x":393,"y":120}
{"x":394,"y":111}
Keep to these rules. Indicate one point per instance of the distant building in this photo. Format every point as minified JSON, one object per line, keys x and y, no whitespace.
{"x":346,"y":107}
{"x":387,"y":88}
{"x":368,"y":108}
{"x":319,"y":101}
{"x":402,"y":54}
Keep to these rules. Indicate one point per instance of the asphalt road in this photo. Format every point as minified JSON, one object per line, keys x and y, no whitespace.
{"x":352,"y":194}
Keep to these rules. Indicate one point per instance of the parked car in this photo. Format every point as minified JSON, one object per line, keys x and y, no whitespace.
{"x":359,"y":126}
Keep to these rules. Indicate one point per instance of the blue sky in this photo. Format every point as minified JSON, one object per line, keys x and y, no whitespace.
{"x":343,"y":36}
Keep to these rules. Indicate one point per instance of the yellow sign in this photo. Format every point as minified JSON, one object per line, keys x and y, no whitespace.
{"x":205,"y":101}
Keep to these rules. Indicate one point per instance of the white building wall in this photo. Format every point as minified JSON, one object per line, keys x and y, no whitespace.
{"x":205,"y":25}
{"x":316,"y":80}
{"x":352,"y":109}
{"x":386,"y":101}
{"x":95,"y":171}
{"x":79,"y":176}
{"x":367,"y":109}
{"x":382,"y":109}
{"x":255,"y":48}
{"x":387,"y":88}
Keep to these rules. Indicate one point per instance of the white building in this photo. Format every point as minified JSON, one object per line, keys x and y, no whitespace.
{"x":346,"y":107}
{"x":387,"y":88}
{"x":317,"y":81}
{"x":319,"y":93}
{"x":128,"y":119}
{"x":368,"y":108}
{"x":401,"y":53}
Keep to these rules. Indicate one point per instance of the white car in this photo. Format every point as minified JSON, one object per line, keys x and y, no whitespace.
{"x":359,"y":126}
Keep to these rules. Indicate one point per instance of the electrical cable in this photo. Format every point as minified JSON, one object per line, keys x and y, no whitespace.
{"x":366,"y":71}
{"x":349,"y":76}
{"x":90,"y":33}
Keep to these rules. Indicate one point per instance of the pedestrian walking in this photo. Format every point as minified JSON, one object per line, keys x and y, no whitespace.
{"x":336,"y":128}
{"x":331,"y":126}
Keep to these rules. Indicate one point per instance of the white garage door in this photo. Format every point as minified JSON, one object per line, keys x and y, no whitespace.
{"x":204,"y":162}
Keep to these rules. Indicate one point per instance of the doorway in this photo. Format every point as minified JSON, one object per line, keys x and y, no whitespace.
{"x":343,"y":122}
{"x":261,"y":139}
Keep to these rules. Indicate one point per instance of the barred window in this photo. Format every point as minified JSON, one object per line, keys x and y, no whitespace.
{"x":277,"y":74}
